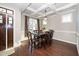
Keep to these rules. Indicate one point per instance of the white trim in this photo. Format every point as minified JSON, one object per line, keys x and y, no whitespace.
{"x":64,"y":40}
{"x":62,"y":8}
{"x":77,"y":33}
{"x":72,"y":32}
{"x":31,"y":9}
{"x":41,"y":8}
{"x":77,"y":42}
{"x":78,"y":51}
{"x":6,"y":31}
{"x":69,"y":32}
{"x":78,"y":48}
{"x":7,"y":52}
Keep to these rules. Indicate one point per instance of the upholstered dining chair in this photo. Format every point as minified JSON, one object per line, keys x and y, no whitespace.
{"x":47,"y":37}
{"x":51,"y":35}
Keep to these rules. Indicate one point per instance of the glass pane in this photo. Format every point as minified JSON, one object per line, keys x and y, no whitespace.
{"x":0,"y":16}
{"x":2,"y":10}
{"x":10,"y":22}
{"x":9,"y":11}
{"x":67,"y":18}
{"x":32,"y":24}
{"x":1,"y":21}
{"x":45,"y":21}
{"x":10,"y":18}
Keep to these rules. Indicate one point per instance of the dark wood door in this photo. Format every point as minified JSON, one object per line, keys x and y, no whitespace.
{"x":9,"y":31}
{"x":2,"y":32}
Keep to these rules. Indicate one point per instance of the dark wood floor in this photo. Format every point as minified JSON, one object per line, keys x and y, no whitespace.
{"x":57,"y":48}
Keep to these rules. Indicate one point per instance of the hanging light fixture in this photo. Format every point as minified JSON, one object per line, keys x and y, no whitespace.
{"x":45,"y":18}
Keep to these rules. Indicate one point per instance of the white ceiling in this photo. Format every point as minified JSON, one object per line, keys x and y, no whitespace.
{"x":37,"y":10}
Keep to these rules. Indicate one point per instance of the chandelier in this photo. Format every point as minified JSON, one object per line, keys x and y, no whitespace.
{"x":45,"y":18}
{"x":45,"y":15}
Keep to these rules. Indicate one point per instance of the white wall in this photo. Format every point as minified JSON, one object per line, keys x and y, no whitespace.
{"x":63,"y":31}
{"x":17,"y":23}
{"x":77,"y":28}
{"x":17,"y":26}
{"x":23,"y":28}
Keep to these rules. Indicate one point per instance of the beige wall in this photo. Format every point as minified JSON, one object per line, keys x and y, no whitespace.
{"x":77,"y":28}
{"x":23,"y":28}
{"x":63,"y":31}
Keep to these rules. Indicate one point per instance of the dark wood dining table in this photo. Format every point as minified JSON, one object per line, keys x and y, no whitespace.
{"x":38,"y":37}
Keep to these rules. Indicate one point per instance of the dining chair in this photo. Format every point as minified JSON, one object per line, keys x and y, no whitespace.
{"x":31,"y":42}
{"x":51,"y":35}
{"x":43,"y":40}
{"x":47,"y":37}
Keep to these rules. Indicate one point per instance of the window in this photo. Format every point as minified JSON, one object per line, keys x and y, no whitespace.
{"x":2,"y":10}
{"x":67,"y":18}
{"x":10,"y":20}
{"x":32,"y":24}
{"x":5,"y":10}
{"x":9,"y":12}
{"x":45,"y":22}
{"x":1,"y":19}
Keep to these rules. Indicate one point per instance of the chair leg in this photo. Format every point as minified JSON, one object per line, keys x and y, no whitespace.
{"x":30,"y":48}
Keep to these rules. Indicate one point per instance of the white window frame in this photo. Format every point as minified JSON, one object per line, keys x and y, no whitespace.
{"x":67,"y":18}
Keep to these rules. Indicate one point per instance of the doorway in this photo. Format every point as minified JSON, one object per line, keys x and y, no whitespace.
{"x":6,"y":29}
{"x":2,"y":32}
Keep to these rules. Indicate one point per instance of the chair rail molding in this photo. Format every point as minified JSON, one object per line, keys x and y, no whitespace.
{"x":77,"y":33}
{"x":64,"y":39}
{"x":72,"y":32}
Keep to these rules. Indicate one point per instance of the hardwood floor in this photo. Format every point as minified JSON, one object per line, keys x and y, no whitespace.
{"x":57,"y":48}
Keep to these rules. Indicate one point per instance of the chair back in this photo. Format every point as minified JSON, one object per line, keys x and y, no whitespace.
{"x":30,"y":37}
{"x":51,"y":33}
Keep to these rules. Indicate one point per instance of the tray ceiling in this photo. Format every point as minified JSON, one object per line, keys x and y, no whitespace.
{"x":37,"y":10}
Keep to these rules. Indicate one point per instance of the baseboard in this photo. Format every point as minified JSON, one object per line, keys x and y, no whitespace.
{"x":77,"y":49}
{"x":7,"y":52}
{"x":77,"y":34}
{"x":72,"y":32}
{"x":65,"y":41}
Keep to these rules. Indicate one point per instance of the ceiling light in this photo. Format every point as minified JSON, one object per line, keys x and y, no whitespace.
{"x":45,"y":14}
{"x":45,"y":19}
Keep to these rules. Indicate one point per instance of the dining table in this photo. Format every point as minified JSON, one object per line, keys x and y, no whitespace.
{"x":39,"y":38}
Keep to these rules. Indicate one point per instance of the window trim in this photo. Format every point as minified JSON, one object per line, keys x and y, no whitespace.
{"x":66,"y":15}
{"x":6,"y":10}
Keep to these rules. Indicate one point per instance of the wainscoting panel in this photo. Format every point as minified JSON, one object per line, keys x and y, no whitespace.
{"x":77,"y":37}
{"x":66,"y":36}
